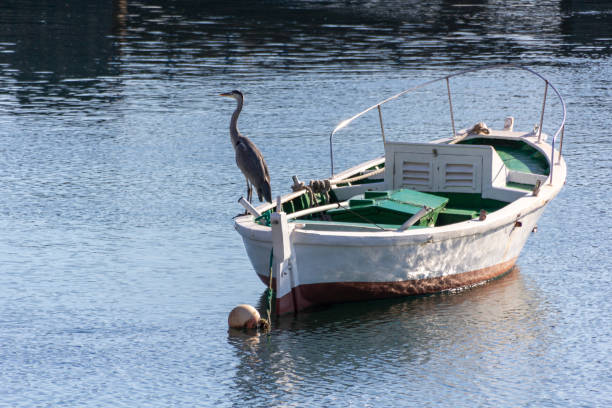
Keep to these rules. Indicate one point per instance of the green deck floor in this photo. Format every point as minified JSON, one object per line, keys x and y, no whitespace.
{"x":516,"y":155}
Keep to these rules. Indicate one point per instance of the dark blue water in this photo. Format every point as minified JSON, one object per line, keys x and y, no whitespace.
{"x":118,"y":258}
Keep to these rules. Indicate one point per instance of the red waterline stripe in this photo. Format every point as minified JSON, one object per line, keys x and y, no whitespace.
{"x":313,"y":294}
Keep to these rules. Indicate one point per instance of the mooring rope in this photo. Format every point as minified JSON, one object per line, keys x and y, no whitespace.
{"x":324,"y":186}
{"x":300,"y":185}
{"x":321,"y":187}
{"x":266,"y":324}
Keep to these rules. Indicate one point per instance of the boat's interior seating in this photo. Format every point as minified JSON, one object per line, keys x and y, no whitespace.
{"x":448,"y":169}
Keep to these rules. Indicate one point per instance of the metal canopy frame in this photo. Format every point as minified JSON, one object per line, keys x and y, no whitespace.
{"x":560,"y":130}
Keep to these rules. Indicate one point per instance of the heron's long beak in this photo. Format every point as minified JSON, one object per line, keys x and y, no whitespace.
{"x":229,"y":94}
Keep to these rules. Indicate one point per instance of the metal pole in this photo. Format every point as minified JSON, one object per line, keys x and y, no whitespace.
{"x":382,"y":129}
{"x":450,"y":104}
{"x":542,"y":116}
{"x":561,"y":144}
{"x":552,"y":161}
{"x":331,"y":153}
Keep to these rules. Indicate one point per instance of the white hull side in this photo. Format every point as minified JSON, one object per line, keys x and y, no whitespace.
{"x":401,"y":261}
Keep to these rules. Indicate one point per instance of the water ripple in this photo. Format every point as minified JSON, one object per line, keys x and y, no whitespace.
{"x":119,"y":260}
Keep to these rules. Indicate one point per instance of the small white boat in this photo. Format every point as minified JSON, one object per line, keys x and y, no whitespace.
{"x":425,"y":218}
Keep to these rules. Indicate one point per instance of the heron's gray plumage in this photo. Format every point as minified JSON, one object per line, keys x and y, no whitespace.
{"x":250,"y":160}
{"x":248,"y":157}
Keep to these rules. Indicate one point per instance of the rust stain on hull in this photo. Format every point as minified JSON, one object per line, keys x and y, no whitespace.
{"x":309,"y":295}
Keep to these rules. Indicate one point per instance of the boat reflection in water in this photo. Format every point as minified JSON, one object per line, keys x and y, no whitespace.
{"x":470,"y":329}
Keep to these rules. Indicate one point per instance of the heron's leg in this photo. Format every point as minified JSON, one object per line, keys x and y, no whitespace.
{"x":249,"y":196}
{"x":249,"y":191}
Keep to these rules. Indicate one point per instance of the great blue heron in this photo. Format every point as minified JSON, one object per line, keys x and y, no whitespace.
{"x":248,"y":157}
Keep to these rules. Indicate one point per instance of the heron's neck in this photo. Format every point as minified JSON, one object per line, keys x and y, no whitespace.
{"x":234,"y":123}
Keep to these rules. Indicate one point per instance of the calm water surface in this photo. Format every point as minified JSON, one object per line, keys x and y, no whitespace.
{"x":118,"y":259}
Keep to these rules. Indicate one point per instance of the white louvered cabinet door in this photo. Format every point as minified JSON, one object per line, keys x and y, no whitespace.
{"x":415,"y":171}
{"x":459,"y":174}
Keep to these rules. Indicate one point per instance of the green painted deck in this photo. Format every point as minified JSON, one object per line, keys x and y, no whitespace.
{"x":520,"y":186}
{"x":465,"y":206}
{"x":390,"y":207}
{"x":516,"y":155}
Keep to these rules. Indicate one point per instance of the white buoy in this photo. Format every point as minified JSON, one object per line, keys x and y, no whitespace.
{"x":243,"y":317}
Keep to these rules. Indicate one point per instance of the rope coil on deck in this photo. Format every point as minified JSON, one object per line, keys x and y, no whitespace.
{"x":300,"y":185}
{"x":320,"y":187}
{"x":324,"y":186}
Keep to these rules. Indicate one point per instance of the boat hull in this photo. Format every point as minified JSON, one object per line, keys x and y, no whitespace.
{"x":333,"y":269}
{"x":309,"y":295}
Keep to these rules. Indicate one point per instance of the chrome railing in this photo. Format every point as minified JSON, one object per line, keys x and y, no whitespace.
{"x":560,"y":130}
